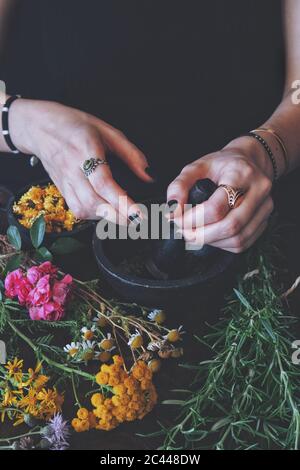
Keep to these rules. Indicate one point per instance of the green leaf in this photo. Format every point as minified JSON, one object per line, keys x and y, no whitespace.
{"x":14,"y":263}
{"x":14,"y":237}
{"x":243,"y":300}
{"x":42,"y":254}
{"x":66,"y":245}
{"x":37,"y":232}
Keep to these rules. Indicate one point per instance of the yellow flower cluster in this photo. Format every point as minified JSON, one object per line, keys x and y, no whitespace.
{"x":133,"y":396}
{"x":48,"y":202}
{"x":25,"y":393}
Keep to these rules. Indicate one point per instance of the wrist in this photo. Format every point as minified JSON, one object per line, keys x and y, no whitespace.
{"x":253,"y":151}
{"x":21,"y":124}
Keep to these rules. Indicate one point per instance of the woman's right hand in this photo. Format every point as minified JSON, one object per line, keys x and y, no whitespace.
{"x":63,"y":138}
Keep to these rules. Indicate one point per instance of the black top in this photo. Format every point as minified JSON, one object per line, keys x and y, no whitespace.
{"x":180,"y":78}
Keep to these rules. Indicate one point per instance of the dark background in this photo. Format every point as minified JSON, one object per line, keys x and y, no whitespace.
{"x":181,"y":79}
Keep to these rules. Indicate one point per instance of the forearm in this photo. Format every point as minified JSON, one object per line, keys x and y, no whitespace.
{"x":285,"y":121}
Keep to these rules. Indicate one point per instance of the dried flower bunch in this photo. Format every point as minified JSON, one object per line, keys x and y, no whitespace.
{"x":46,"y":201}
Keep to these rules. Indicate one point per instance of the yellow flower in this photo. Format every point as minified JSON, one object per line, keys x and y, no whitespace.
{"x":15,"y":369}
{"x":97,"y":399}
{"x":82,"y":413}
{"x":102,"y":378}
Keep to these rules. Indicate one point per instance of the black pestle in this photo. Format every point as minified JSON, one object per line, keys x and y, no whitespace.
{"x":167,"y":260}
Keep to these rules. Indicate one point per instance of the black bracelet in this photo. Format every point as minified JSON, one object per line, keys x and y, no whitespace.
{"x":267,"y":148}
{"x":5,"y":127}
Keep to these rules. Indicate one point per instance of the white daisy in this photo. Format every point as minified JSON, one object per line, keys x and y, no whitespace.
{"x":88,"y":333}
{"x":156,"y":315}
{"x":72,"y":349}
{"x":135,"y":340}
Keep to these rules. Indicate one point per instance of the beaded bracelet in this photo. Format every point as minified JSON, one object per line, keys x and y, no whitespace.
{"x":280,"y":143}
{"x":267,"y":148}
{"x":5,"y":126}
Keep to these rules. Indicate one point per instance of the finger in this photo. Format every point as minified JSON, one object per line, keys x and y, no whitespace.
{"x":210,"y":211}
{"x":93,"y":206}
{"x":247,"y":243}
{"x":178,"y":190}
{"x":215,"y":208}
{"x":210,"y":237}
{"x":118,"y":143}
{"x":107,"y":212}
{"x":104,"y":185}
{"x":237,"y":218}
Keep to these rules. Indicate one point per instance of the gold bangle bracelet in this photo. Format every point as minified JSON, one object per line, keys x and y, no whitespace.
{"x":280,"y":142}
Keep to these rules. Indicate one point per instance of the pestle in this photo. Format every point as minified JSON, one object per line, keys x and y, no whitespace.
{"x":167,"y":259}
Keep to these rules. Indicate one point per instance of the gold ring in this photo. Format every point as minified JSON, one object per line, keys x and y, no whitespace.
{"x":233,"y":194}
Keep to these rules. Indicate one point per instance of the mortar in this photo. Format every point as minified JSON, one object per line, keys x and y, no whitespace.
{"x":206,"y":275}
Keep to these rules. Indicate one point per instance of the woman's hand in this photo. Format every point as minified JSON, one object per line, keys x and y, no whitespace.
{"x":63,"y":138}
{"x":241,"y":164}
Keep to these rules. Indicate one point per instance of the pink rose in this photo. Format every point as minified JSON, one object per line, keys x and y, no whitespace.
{"x":49,"y":312}
{"x":24,"y":288}
{"x":61,"y":289}
{"x":41,"y":293}
{"x":12,"y":283}
{"x":47,"y":268}
{"x":34,"y":275}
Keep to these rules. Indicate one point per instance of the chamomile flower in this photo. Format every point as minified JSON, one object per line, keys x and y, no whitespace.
{"x":100,"y":320}
{"x":157,"y":316}
{"x":103,"y":356}
{"x":135,"y":340}
{"x":174,"y":335}
{"x":107,"y":344}
{"x":72,"y":349}
{"x":88,"y":333}
{"x":88,"y":350}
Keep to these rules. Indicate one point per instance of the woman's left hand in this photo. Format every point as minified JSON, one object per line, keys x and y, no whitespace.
{"x":242,"y":164}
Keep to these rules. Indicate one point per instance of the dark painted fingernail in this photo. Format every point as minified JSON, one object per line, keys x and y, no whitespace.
{"x":150,"y":172}
{"x":172,"y":204}
{"x":135,"y":218}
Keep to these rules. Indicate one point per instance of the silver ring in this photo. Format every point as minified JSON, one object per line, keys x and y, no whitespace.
{"x":90,"y":165}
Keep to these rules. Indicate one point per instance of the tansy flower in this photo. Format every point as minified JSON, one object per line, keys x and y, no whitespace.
{"x":72,"y":349}
{"x":174,"y":335}
{"x":15,"y":369}
{"x":100,"y":320}
{"x":135,"y":340}
{"x":88,"y":333}
{"x":158,"y":316}
{"x":107,"y":343}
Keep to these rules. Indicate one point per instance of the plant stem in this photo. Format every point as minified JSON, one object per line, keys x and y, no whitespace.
{"x":47,"y":359}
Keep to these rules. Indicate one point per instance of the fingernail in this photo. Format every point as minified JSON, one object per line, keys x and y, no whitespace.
{"x":173,"y":203}
{"x":135,"y":218}
{"x":150,"y":172}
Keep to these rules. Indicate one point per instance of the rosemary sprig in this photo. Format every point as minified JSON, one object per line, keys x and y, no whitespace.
{"x":247,"y":395}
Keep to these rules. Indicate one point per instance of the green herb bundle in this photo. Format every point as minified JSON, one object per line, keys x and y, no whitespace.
{"x":247,"y":395}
